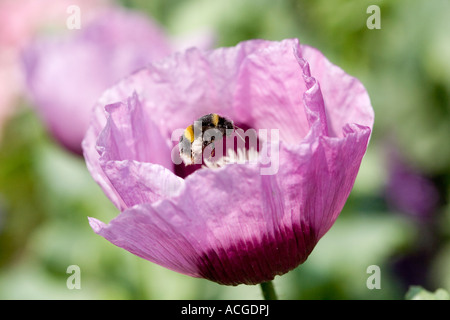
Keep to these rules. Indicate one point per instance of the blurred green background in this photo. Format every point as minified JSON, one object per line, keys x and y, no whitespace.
{"x":46,"y":193}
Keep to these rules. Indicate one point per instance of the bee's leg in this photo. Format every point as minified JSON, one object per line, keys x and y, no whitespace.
{"x":213,"y":151}
{"x":237,"y":133}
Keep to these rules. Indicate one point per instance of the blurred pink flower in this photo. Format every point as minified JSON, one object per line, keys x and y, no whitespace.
{"x":230,"y":225}
{"x":67,"y":74}
{"x":21,"y":21}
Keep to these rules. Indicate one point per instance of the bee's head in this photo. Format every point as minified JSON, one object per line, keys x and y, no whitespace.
{"x":228,"y":125}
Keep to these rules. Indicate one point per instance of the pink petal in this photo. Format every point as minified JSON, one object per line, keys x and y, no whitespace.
{"x":264,"y":96}
{"x":346,"y":99}
{"x":131,"y":134}
{"x":135,"y":161}
{"x":135,"y":225}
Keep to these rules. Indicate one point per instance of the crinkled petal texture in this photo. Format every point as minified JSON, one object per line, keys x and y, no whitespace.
{"x":67,"y":74}
{"x":231,"y":225}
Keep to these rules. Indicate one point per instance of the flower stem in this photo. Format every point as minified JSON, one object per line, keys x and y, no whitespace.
{"x":268,"y":291}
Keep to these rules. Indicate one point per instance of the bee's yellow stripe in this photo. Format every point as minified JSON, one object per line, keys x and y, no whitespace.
{"x":215,"y":119}
{"x":189,"y":133}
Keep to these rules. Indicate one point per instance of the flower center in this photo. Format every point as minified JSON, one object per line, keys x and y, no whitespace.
{"x":213,"y":142}
{"x":239,"y":156}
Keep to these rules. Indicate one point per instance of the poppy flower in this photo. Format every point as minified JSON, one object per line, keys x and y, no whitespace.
{"x":231,"y":223}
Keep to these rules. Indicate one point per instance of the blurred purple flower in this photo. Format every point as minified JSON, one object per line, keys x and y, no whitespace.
{"x":230,"y":225}
{"x":408,"y":190}
{"x":66,"y":75}
{"x":21,"y":20}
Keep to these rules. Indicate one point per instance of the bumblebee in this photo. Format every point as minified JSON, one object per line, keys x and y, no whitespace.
{"x":207,"y":129}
